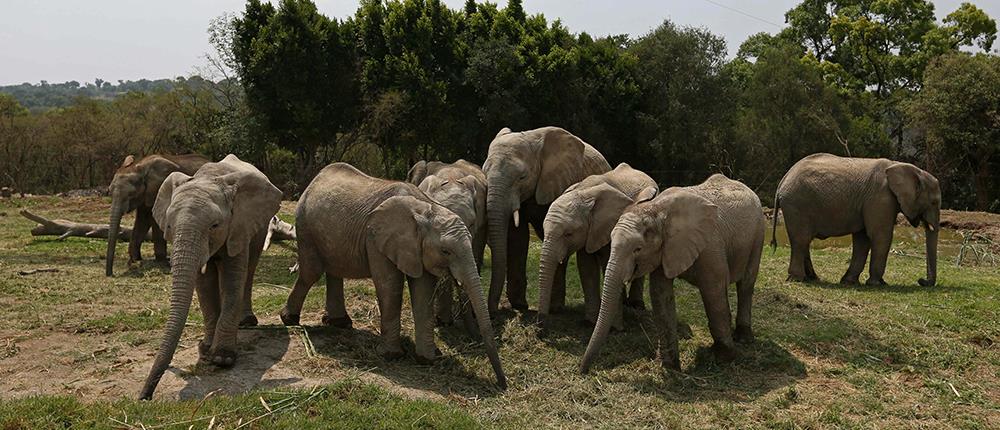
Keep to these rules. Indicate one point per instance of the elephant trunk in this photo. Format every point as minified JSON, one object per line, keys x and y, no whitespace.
{"x":497,"y":210}
{"x":117,"y":209}
{"x":611,"y":302}
{"x":190,"y":253}
{"x":473,"y":289}
{"x":931,"y":232}
{"x":548,"y":263}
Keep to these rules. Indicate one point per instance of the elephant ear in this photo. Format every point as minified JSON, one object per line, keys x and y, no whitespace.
{"x":561,"y":162}
{"x":609,"y":203}
{"x":503,"y":131}
{"x":395,"y":227}
{"x":430,"y":183}
{"x":689,"y":221}
{"x":645,"y":195}
{"x":154,"y":174}
{"x":417,"y":173}
{"x":163,"y":198}
{"x":905,"y":184}
{"x":254,"y":201}
{"x":128,"y":161}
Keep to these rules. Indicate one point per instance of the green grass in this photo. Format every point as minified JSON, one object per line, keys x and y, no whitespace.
{"x":826,"y":355}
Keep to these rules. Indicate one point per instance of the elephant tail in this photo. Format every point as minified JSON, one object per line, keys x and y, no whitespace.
{"x":774,"y":223}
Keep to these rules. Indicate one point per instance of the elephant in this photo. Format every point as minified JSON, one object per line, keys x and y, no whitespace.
{"x":710,"y":235}
{"x":460,"y":187}
{"x":580,"y":221}
{"x":351,"y":225}
{"x":825,"y":195}
{"x":217,"y":221}
{"x":134,"y":187}
{"x":526,"y":171}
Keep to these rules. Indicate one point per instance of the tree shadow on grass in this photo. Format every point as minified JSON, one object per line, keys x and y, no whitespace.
{"x":890,"y":288}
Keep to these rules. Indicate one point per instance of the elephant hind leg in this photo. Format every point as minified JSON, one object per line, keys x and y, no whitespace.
{"x":810,"y":270}
{"x":797,"y":269}
{"x":336,"y":308}
{"x":310,"y":269}
{"x":744,"y":299}
{"x":860,"y":245}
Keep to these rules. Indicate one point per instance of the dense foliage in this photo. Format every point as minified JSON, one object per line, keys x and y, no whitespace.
{"x":404,"y":80}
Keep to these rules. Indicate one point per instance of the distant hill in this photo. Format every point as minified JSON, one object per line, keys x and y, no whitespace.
{"x":44,"y":96}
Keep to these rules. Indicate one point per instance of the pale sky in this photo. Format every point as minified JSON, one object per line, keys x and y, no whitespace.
{"x":62,"y":40}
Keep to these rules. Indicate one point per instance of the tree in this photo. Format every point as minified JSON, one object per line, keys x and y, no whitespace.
{"x":958,"y":112}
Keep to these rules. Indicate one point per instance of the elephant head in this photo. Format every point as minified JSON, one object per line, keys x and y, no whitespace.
{"x":540,"y":163}
{"x":581,"y":218}
{"x":919,"y":196}
{"x":459,"y":195}
{"x":418,"y":236}
{"x":134,"y":185}
{"x":667,"y":233}
{"x":217,"y":211}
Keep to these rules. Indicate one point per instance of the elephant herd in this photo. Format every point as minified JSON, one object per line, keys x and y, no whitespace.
{"x":429,"y":234}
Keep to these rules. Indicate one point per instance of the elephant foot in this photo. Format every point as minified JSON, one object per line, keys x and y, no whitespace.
{"x":636,"y":304}
{"x":849,"y":280}
{"x":795,"y":278}
{"x":288,"y":318}
{"x":926,"y":283}
{"x":391,"y":354}
{"x":443,"y":322}
{"x":724,"y":352}
{"x":204,"y":347}
{"x":871,"y":282}
{"x":249,"y":321}
{"x":684,"y":331}
{"x":425,"y":361}
{"x":338,"y":322}
{"x":671,"y":363}
{"x":519,"y":306}
{"x":223,"y":357}
{"x":744,"y":334}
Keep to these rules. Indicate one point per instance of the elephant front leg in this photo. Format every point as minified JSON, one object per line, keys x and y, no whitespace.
{"x":233,"y":278}
{"x":422,"y":303}
{"x":143,"y":221}
{"x":590,"y":279}
{"x":558,"y":302}
{"x":159,"y":243}
{"x":517,"y":263}
{"x":336,"y":308}
{"x":661,"y":294}
{"x":634,"y":300}
{"x":881,"y":241}
{"x":389,"y":291}
{"x":444,"y":295}
{"x":208,"y":301}
{"x":860,"y":245}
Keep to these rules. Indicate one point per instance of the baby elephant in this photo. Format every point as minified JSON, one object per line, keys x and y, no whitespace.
{"x":710,"y":235}
{"x":580,"y":221}
{"x":351,"y":225}
{"x":825,"y":195}
{"x":217,"y":221}
{"x":460,"y":187}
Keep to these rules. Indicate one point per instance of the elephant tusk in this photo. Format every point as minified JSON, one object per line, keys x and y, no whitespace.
{"x":931,"y":227}
{"x":517,"y":218}
{"x":204,"y":268}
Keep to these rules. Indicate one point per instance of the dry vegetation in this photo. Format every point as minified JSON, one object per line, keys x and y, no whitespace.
{"x":75,"y":347}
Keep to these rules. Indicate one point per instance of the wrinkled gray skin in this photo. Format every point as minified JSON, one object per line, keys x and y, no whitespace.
{"x":824,"y":195}
{"x":134,"y":188}
{"x":217,"y":221}
{"x":460,"y":187}
{"x":710,"y":235}
{"x":580,"y":221}
{"x":526,"y":171}
{"x":351,"y":225}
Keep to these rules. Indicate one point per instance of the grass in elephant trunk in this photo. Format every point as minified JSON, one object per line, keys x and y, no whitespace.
{"x":825,"y":356}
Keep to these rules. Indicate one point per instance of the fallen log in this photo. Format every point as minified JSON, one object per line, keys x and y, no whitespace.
{"x":278,"y":230}
{"x":65,"y":228}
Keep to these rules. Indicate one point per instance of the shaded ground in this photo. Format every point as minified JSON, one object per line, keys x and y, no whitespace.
{"x":825,"y":356}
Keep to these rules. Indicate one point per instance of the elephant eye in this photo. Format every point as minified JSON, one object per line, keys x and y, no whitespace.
{"x":446,"y":252}
{"x":215,"y":226}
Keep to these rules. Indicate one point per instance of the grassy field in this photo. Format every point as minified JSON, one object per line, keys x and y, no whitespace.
{"x":76,"y":345}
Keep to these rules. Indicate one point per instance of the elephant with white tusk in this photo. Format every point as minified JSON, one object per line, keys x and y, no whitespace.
{"x":216,"y":220}
{"x":351,"y":225}
{"x":526,"y":171}
{"x":580,"y":221}
{"x":710,"y":235}
{"x":134,"y":188}
{"x":824,"y":195}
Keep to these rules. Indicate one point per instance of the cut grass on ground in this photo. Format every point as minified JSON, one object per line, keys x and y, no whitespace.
{"x":75,"y":346}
